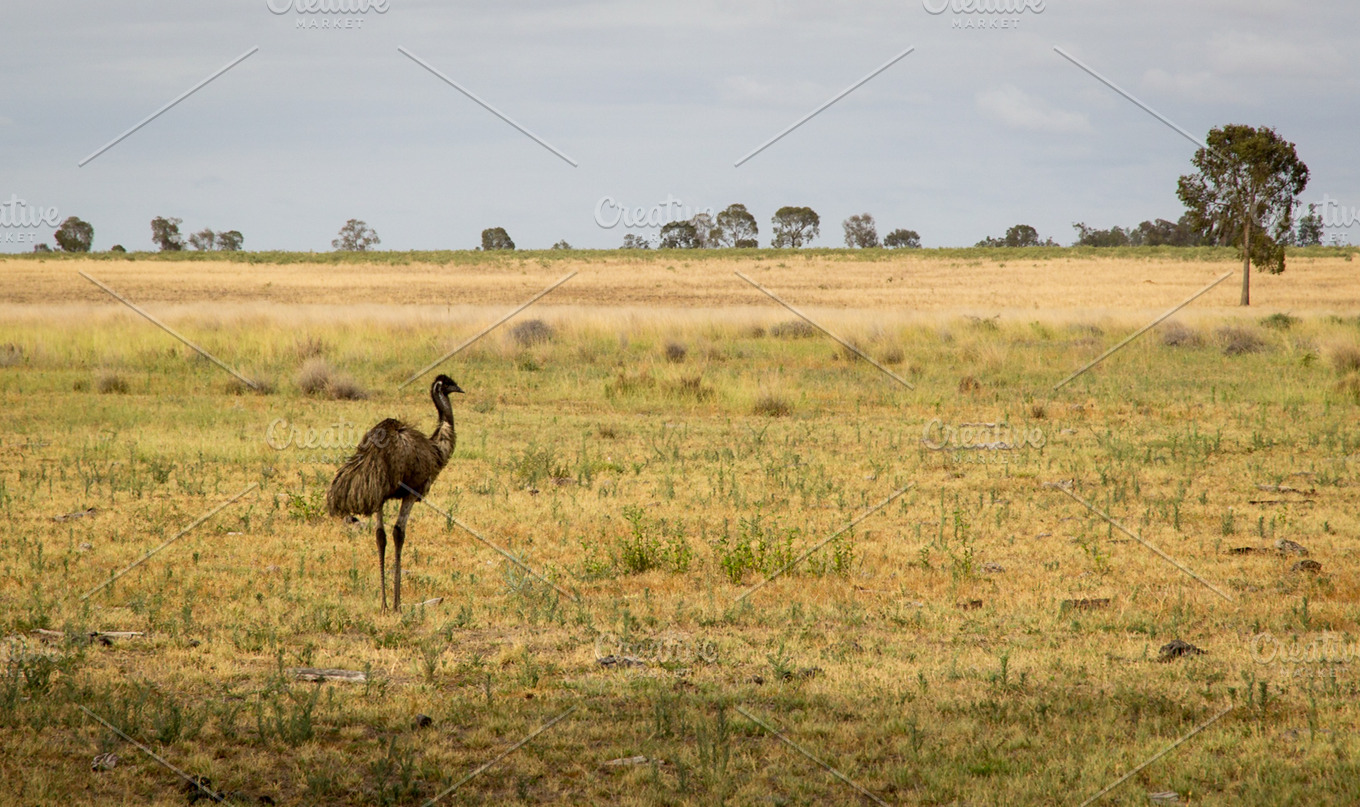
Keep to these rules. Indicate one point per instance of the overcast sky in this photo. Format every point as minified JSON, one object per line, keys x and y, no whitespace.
{"x":979,"y":128}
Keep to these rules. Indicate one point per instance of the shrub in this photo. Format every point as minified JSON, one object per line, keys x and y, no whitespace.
{"x":315,"y":376}
{"x":1346,"y":358}
{"x":1349,"y":385}
{"x":1279,"y":322}
{"x":11,"y":354}
{"x":1175,"y":334}
{"x":693,"y":387}
{"x":110,"y":382}
{"x":531,"y":332}
{"x":344,"y":388}
{"x":675,"y":352}
{"x":792,"y":329}
{"x":1237,"y":340}
{"x":772,"y":404}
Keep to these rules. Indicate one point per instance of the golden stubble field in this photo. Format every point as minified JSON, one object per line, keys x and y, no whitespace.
{"x":663,"y":443}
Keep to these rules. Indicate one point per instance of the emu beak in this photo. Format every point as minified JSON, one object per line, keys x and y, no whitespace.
{"x":455,"y":388}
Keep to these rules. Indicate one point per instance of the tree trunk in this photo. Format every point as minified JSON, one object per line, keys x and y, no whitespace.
{"x":1246,"y":260}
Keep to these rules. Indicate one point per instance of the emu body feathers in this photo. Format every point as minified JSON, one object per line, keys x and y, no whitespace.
{"x":395,"y":461}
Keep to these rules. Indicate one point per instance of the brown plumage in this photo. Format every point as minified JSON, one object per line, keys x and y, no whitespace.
{"x":395,"y":461}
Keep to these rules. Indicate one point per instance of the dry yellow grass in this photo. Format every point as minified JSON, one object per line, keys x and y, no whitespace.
{"x":657,"y":490}
{"x":900,"y":281}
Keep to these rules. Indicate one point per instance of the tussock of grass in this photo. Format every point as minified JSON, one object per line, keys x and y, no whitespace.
{"x":772,"y":404}
{"x":675,"y":352}
{"x":532,"y":332}
{"x":1237,"y":340}
{"x":792,"y":329}
{"x":1279,"y":322}
{"x":1178,"y":334}
{"x":318,"y":379}
{"x":11,"y":354}
{"x":1345,"y":358}
{"x":110,"y":382}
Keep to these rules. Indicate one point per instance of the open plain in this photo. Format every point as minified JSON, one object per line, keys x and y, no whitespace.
{"x":672,"y":460}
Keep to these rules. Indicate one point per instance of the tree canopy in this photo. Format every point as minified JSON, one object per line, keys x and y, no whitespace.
{"x":165,"y":233}
{"x":900,"y":239}
{"x":356,"y":236}
{"x":496,"y":238}
{"x":736,"y":227}
{"x":1243,"y":194}
{"x":74,"y":235}
{"x":860,"y":231}
{"x":794,"y":227}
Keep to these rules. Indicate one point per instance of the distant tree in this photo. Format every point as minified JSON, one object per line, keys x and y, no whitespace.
{"x":165,"y":233}
{"x":41,"y":248}
{"x":74,"y":235}
{"x":1165,"y":233}
{"x":496,"y":238}
{"x":631,"y":241}
{"x":860,"y":231}
{"x":736,"y":227}
{"x":897,"y":239}
{"x":678,"y":235}
{"x":1243,"y":193}
{"x":1090,"y":237}
{"x":705,"y":231}
{"x":1310,"y":228}
{"x":562,"y":244}
{"x":355,"y":236}
{"x":794,"y":227}
{"x":230,"y":241}
{"x":1022,"y":235}
{"x":117,"y":248}
{"x":204,"y":240}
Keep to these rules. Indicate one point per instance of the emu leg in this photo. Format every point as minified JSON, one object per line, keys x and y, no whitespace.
{"x":399,"y":537}
{"x":382,"y":557}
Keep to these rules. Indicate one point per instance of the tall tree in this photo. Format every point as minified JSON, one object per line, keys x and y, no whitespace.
{"x":74,"y":235}
{"x":1244,"y":192}
{"x":496,"y":238}
{"x":794,"y":227}
{"x":204,"y":240}
{"x":705,"y":231}
{"x":737,"y":227}
{"x":356,"y":236}
{"x":230,"y":241}
{"x":860,"y":231}
{"x":165,"y":232}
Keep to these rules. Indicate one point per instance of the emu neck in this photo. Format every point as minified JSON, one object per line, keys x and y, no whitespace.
{"x":445,"y":437}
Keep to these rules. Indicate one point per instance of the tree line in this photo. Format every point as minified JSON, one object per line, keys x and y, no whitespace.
{"x":1243,"y":193}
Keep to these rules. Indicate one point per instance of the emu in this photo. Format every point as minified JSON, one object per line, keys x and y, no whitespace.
{"x":395,"y":461}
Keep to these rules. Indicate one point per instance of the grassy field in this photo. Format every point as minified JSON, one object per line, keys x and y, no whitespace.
{"x":664,"y":443}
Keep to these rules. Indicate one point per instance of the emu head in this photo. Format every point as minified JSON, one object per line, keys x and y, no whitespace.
{"x":443,"y":385}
